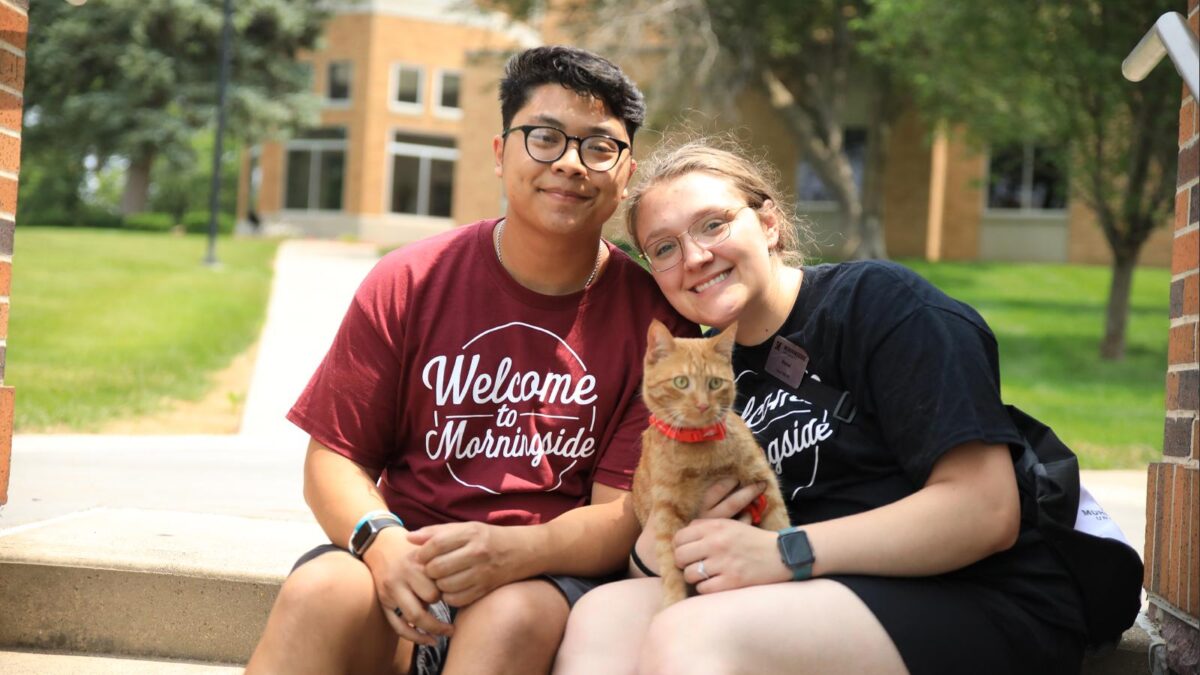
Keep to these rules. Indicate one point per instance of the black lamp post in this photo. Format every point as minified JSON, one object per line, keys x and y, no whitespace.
{"x":214,"y":204}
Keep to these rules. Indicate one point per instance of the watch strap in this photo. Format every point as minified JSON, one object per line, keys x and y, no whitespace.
{"x":368,"y":528}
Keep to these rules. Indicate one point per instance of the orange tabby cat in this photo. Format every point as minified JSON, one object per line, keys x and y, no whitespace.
{"x":694,"y":440}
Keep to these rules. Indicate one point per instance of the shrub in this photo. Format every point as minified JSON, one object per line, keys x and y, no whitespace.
{"x":150,"y":221}
{"x":196,"y":222}
{"x":49,"y":216}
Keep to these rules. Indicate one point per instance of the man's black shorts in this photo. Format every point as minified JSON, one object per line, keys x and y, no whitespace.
{"x":428,"y":660}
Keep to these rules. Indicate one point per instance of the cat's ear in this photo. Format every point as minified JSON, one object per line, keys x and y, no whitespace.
{"x":724,"y":340}
{"x":659,"y":342}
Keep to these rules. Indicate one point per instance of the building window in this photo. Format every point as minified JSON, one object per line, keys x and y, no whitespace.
{"x":810,"y":187}
{"x":422,"y":174}
{"x":1026,"y":177}
{"x":337,"y":87}
{"x":316,"y":170}
{"x":449,"y":84}
{"x":408,"y":95}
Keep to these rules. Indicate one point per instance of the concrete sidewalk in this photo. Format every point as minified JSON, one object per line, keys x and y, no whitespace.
{"x":314,"y":283}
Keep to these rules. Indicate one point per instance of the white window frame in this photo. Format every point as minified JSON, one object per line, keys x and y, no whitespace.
{"x":424,"y":153}
{"x":406,"y":107}
{"x":438,"y":108}
{"x":1028,"y":149}
{"x":338,"y":102}
{"x":316,"y":147}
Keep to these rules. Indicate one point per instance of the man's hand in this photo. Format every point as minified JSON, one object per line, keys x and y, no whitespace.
{"x":468,"y":560}
{"x":401,"y":582}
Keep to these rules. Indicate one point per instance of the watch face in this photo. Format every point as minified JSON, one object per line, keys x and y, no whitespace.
{"x":362,"y":535}
{"x":796,"y":550}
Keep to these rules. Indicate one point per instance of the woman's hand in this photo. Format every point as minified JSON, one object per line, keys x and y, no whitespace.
{"x":721,"y":500}
{"x":734,"y":555}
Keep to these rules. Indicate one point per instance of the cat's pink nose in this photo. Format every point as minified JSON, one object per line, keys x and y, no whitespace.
{"x":701,"y":407}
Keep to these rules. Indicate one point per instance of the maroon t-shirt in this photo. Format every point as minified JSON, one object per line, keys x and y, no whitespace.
{"x":479,"y":399}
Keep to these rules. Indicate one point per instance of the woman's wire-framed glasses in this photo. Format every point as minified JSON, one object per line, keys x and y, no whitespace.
{"x":665,"y":252}
{"x":548,"y":144}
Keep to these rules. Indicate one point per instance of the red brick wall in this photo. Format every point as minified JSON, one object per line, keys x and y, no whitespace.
{"x":1173,"y":488}
{"x":14,"y":27}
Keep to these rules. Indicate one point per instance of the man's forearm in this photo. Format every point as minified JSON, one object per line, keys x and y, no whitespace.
{"x":588,"y":541}
{"x":338,"y":491}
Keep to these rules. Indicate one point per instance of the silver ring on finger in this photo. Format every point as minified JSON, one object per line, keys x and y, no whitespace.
{"x":702,"y":572}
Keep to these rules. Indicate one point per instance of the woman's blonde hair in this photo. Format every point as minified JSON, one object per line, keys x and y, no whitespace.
{"x":721,"y":157}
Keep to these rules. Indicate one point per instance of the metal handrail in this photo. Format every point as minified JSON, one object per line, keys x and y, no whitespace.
{"x":1170,"y":35}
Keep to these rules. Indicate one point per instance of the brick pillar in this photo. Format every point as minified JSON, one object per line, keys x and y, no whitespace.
{"x":14,"y":26}
{"x":1173,"y":487}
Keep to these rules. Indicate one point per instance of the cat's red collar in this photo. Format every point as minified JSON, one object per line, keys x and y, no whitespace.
{"x":712,"y":432}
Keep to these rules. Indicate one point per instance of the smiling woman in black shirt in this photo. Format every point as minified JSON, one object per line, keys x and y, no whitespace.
{"x":876,"y":398}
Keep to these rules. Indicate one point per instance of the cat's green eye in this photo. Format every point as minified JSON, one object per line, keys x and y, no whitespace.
{"x":681,"y":382}
{"x":715,"y":383}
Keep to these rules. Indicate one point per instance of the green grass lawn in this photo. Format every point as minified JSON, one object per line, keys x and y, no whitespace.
{"x":107,"y":324}
{"x":1049,"y":320}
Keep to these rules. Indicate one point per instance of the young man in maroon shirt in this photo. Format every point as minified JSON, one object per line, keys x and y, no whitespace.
{"x":476,"y":422}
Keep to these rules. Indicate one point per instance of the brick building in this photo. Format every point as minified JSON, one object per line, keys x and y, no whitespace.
{"x":410,"y":91}
{"x":386,"y":159}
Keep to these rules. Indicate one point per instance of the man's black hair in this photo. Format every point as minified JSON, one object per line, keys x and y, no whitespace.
{"x":581,"y":71}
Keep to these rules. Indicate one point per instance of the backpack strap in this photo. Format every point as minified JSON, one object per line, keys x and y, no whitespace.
{"x":839,"y":403}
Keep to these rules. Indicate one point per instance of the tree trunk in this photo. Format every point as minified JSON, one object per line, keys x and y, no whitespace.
{"x":1117,"y":313}
{"x":137,"y":184}
{"x":871,"y":242}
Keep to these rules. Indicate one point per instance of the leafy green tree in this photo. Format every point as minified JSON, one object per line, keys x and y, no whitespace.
{"x":138,"y":78}
{"x":802,"y":56}
{"x":1050,"y":71}
{"x":180,"y":183}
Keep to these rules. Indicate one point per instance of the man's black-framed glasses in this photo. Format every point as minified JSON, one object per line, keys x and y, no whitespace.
{"x":548,"y":144}
{"x":666,"y":252}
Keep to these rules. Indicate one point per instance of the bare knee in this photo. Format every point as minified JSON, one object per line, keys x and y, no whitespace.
{"x":327,"y":586}
{"x":606,"y":628}
{"x":514,"y":629}
{"x":681,"y":641}
{"x":326,"y":619}
{"x":516,"y":613}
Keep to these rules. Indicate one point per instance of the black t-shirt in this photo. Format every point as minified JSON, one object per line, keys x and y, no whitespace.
{"x":922,"y":370}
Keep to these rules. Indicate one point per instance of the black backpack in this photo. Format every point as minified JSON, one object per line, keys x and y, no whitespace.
{"x":1107,"y":571}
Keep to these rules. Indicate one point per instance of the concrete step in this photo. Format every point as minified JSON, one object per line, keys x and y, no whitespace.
{"x":53,"y":663}
{"x":156,"y":584}
{"x":1130,"y":657}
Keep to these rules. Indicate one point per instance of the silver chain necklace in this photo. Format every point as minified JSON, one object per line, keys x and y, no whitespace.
{"x":591,"y":277}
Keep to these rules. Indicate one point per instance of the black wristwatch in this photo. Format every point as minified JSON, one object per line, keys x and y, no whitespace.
{"x":368,"y":528}
{"x":796,"y":552}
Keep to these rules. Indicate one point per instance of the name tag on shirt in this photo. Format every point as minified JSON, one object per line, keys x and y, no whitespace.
{"x":787,"y":361}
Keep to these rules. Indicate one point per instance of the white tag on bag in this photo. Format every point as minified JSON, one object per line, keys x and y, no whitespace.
{"x":1094,"y":520}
